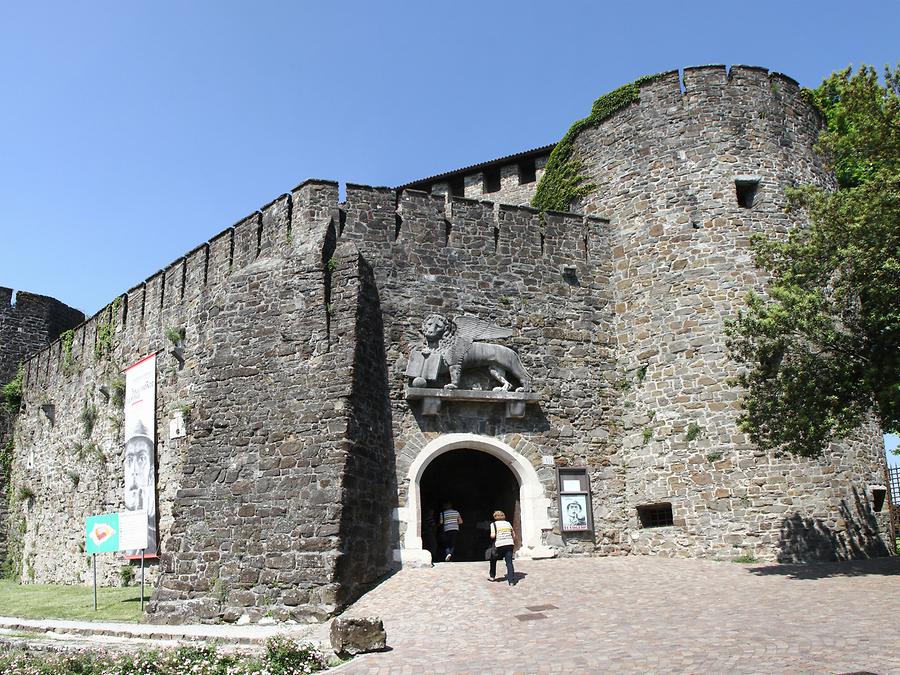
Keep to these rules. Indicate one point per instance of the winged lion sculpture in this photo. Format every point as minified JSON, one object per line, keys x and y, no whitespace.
{"x":453,"y":346}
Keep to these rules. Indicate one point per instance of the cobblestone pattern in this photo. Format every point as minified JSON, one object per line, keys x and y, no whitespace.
{"x":636,"y":615}
{"x":682,"y":264}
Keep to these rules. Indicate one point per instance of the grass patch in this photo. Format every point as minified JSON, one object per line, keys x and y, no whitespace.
{"x":745,"y":559}
{"x":48,"y":601}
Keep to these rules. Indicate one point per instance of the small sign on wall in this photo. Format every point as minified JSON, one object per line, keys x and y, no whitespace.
{"x":574,"y":500}
{"x":176,"y":426}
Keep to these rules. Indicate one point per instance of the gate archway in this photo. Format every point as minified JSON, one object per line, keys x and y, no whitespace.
{"x":533,"y":504}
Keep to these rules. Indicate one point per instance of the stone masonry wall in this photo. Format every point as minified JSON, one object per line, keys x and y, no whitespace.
{"x":665,"y":169}
{"x":299,"y":321}
{"x":503,"y":265}
{"x":512,"y":189}
{"x":26,"y":326}
{"x":249,"y":504}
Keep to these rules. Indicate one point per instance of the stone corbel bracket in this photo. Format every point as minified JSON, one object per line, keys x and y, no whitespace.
{"x":432,"y":398}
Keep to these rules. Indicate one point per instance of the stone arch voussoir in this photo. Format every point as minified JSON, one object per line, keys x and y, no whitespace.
{"x":532,"y":498}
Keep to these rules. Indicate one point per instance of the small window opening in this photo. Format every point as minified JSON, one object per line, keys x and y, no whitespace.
{"x":527,"y":172}
{"x":746,"y":191}
{"x":457,"y":187}
{"x":492,"y":180}
{"x":655,"y":515}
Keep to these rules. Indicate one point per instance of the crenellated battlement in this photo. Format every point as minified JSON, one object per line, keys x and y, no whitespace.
{"x":394,"y":224}
{"x":694,"y":81}
{"x":389,"y":225}
{"x":28,"y":324}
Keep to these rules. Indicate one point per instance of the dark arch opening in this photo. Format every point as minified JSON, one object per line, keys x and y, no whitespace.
{"x":477,"y":484}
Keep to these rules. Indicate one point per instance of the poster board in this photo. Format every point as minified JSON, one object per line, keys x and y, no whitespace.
{"x":140,"y":446}
{"x":575,"y":512}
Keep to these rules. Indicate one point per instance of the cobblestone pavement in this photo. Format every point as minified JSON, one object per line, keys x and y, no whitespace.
{"x":638,"y":614}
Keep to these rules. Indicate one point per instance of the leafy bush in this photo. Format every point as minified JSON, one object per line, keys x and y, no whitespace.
{"x":12,"y":392}
{"x":126,"y":574}
{"x":283,"y":656}
{"x":175,"y":335}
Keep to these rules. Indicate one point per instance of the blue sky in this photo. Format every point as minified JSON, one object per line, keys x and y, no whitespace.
{"x":161,"y":123}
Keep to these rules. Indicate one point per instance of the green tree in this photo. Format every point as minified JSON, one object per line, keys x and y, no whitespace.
{"x":822,"y":348}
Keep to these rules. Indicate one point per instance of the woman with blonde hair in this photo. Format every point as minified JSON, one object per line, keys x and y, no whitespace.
{"x":504,"y":538}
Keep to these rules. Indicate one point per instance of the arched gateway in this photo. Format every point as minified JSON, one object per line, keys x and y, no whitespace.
{"x":532,"y":503}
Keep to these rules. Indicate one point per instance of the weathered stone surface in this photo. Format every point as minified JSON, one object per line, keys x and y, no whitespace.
{"x":357,"y":635}
{"x":288,"y":495}
{"x":28,"y":323}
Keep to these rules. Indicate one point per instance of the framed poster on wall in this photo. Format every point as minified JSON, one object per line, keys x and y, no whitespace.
{"x":574,"y":500}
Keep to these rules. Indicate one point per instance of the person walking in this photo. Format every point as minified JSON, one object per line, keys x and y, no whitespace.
{"x":504,"y":538}
{"x":450,"y":522}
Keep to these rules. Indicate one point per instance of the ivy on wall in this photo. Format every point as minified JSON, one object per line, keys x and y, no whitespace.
{"x":11,"y":393}
{"x":564,"y":179}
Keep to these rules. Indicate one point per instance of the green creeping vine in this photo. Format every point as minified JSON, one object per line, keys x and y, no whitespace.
{"x":66,"y":338}
{"x":104,"y":342}
{"x":564,"y":178}
{"x":11,"y":393}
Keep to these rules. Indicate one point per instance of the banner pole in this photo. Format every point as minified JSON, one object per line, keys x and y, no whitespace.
{"x":142,"y":580}
{"x":94,"y":556}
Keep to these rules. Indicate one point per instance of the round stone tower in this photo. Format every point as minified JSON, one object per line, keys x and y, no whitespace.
{"x":685,"y":176}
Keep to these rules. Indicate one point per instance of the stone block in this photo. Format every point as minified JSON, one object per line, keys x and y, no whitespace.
{"x":357,"y":635}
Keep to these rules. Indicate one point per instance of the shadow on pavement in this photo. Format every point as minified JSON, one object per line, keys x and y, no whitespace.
{"x":845,"y":568}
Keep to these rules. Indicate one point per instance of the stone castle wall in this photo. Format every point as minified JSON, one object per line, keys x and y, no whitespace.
{"x":29,"y":325}
{"x":251,"y":502}
{"x":666,"y":171}
{"x":290,"y":492}
{"x":26,"y":326}
{"x":504,"y":265}
{"x":516,"y":185}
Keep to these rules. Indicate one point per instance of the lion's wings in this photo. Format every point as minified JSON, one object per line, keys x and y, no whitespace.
{"x":469,"y":328}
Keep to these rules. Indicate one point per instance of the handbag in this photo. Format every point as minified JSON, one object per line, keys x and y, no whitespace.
{"x":490,"y":553}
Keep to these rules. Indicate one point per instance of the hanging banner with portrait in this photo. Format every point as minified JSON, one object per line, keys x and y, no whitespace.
{"x":140,"y":445}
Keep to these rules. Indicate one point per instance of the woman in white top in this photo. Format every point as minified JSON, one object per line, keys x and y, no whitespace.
{"x":504,"y":541}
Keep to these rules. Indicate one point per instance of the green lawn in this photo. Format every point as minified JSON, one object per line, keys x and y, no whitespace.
{"x":39,"y":601}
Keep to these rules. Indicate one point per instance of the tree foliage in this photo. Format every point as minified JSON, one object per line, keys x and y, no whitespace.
{"x":822,"y":348}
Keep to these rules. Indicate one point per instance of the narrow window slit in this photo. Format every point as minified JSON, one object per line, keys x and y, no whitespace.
{"x":290,"y":216}
{"x":259,"y":233}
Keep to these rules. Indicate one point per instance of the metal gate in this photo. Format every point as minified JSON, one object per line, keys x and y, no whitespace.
{"x":894,"y":488}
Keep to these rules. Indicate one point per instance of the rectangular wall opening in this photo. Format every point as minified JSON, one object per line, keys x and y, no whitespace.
{"x":492,"y":180}
{"x":746,"y":191}
{"x":527,"y":172}
{"x":457,"y":187}
{"x":655,"y":515}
